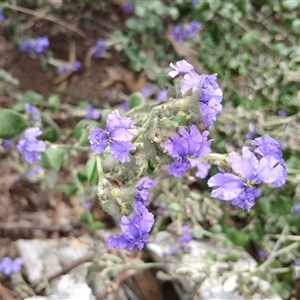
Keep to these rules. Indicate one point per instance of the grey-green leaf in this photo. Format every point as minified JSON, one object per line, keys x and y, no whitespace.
{"x":11,"y":124}
{"x":53,"y":158}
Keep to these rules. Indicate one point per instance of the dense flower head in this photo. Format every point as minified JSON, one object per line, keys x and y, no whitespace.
{"x":135,"y":230}
{"x":186,"y":146}
{"x":99,"y":48}
{"x":30,"y":146}
{"x":242,"y":187}
{"x":66,"y":66}
{"x":117,"y":135}
{"x":9,"y":266}
{"x":37,"y":46}
{"x":92,"y":113}
{"x":143,"y":188}
{"x":33,"y":111}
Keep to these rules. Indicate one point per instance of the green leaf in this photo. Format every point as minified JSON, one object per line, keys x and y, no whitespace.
{"x":237,"y":237}
{"x":97,"y":225}
{"x":53,"y":158}
{"x":83,"y":129}
{"x":71,"y":190}
{"x":54,"y":102}
{"x":50,"y":134}
{"x":32,"y":97}
{"x":290,"y":4}
{"x":86,"y":217}
{"x":136,"y":99}
{"x":11,"y":124}
{"x":296,"y":26}
{"x":81,"y":176}
{"x":249,"y":39}
{"x":91,"y":171}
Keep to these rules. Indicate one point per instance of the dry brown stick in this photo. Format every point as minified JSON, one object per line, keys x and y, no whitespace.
{"x":43,"y":16}
{"x":16,"y":226}
{"x":71,"y":266}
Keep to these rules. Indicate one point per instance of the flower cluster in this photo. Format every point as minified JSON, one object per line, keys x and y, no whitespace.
{"x":65,"y":67}
{"x":182,"y":33}
{"x":117,"y":135}
{"x":37,"y":46}
{"x":92,"y":113}
{"x":99,"y":48}
{"x":30,"y":146}
{"x":136,"y":228}
{"x":9,"y":266}
{"x":250,"y":171}
{"x":211,"y":94}
{"x":297,"y":268}
{"x":186,"y":148}
{"x":33,"y":111}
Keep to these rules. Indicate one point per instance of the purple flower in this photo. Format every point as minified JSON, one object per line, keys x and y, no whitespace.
{"x":135,"y":230}
{"x":9,"y":266}
{"x":2,"y":18}
{"x":180,"y":67}
{"x":282,"y":113}
{"x":202,"y":168}
{"x":33,"y":111}
{"x":146,"y":91}
{"x":266,"y":145}
{"x":211,"y":94}
{"x":7,"y":144}
{"x":270,"y":150}
{"x":33,"y":172}
{"x":125,"y":105}
{"x":297,"y":208}
{"x":194,"y":2}
{"x":127,"y":6}
{"x":37,"y":46}
{"x":143,"y":188}
{"x":92,"y":113}
{"x":30,"y":146}
{"x":99,"y":48}
{"x":186,"y":236}
{"x":189,"y":145}
{"x":243,"y":188}
{"x":117,"y":134}
{"x":65,"y":67}
{"x":193,"y":28}
{"x":263,"y":254}
{"x":162,"y":95}
{"x":179,"y":33}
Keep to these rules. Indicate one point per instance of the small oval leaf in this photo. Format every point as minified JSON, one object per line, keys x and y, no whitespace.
{"x":11,"y":124}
